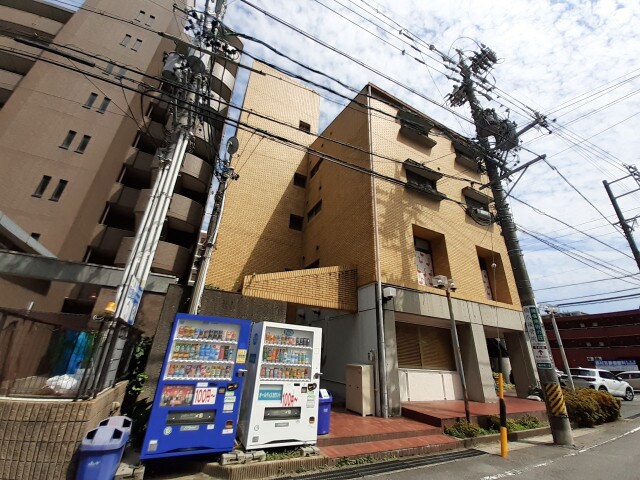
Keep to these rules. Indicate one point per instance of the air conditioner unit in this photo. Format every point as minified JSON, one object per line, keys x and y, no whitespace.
{"x":482,"y":214}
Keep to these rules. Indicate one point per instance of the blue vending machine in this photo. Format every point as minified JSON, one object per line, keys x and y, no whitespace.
{"x":197,"y":401}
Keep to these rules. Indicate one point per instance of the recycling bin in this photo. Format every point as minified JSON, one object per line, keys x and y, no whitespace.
{"x":100,"y":453}
{"x":121,"y":422}
{"x":324,"y":412}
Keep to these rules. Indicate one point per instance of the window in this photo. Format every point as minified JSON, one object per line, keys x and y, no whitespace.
{"x":423,"y":179}
{"x":150,"y":20}
{"x":493,"y":276}
{"x":122,"y":72}
{"x":83,"y":144}
{"x":299,"y":180}
{"x":415,"y":128}
{"x":109,"y":68}
{"x":305,"y":127}
{"x":607,"y":375}
{"x":42,"y":186}
{"x":92,"y":98}
{"x":477,"y":205}
{"x":136,"y":45}
{"x":125,"y":41}
{"x":485,"y":278}
{"x":430,"y":254}
{"x":35,"y":236}
{"x":140,"y":16}
{"x":315,"y":168}
{"x":295,"y":222}
{"x":68,"y":139}
{"x":57,"y":193}
{"x":424,"y":261}
{"x":315,"y":210}
{"x":103,"y":106}
{"x":424,"y":347}
{"x":314,"y":264}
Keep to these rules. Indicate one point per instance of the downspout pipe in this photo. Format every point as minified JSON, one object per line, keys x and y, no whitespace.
{"x":382,"y":354}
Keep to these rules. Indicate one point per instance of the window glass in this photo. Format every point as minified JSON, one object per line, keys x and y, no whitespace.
{"x":424,"y":261}
{"x":57,"y":193}
{"x":295,"y":222}
{"x":42,"y":186}
{"x":136,"y":45}
{"x":125,"y":41}
{"x":139,"y":17}
{"x":607,"y":375}
{"x":83,"y":144}
{"x":103,"y":106}
{"x":150,"y":20}
{"x":68,"y":139}
{"x":90,"y":100}
{"x":314,"y":211}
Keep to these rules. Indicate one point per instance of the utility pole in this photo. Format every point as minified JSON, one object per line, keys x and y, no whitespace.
{"x":489,"y":124}
{"x":552,"y":313}
{"x":624,"y":223}
{"x":193,"y":74}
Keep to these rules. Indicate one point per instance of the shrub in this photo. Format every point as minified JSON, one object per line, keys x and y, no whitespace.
{"x":526,"y":422}
{"x":464,"y":429}
{"x":588,"y":407}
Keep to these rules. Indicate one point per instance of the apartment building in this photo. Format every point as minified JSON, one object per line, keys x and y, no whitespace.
{"x":351,"y":226}
{"x":602,"y":340}
{"x":78,"y":148}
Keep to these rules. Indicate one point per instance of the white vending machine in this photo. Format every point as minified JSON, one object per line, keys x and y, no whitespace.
{"x":280,"y":401}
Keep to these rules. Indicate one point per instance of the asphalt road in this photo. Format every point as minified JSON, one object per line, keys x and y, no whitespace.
{"x":609,"y":451}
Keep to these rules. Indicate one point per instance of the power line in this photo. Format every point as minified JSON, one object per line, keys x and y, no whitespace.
{"x":600,"y":280}
{"x":589,"y":296}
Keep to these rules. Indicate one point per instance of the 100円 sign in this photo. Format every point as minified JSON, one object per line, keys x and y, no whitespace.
{"x":535,"y":329}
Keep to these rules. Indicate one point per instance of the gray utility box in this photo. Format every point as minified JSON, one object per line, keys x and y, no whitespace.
{"x":360,"y":392}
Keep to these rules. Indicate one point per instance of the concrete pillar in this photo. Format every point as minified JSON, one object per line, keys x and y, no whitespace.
{"x":391,"y":352}
{"x":476,"y":363}
{"x":522,"y":364}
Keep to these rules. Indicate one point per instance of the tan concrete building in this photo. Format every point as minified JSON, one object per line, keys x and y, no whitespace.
{"x":77,"y":149}
{"x":384,"y":197}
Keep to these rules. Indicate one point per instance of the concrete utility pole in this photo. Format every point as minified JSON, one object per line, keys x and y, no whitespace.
{"x":489,"y":124}
{"x":552,"y":313}
{"x":624,"y":223}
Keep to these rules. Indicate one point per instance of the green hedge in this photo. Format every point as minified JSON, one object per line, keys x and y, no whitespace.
{"x":588,"y":407}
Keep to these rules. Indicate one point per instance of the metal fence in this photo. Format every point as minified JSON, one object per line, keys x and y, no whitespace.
{"x":61,"y":355}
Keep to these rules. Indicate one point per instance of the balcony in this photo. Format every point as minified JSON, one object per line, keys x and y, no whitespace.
{"x":184,"y":214}
{"x":13,"y":62}
{"x":123,"y":198}
{"x":106,"y":240}
{"x":28,"y":23}
{"x":152,"y":137}
{"x":195,"y":174}
{"x":222,"y":81}
{"x":170,"y":259}
{"x":206,"y":141}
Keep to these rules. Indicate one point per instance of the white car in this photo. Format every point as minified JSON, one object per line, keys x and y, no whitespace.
{"x":602,"y":380}
{"x":632,"y":378}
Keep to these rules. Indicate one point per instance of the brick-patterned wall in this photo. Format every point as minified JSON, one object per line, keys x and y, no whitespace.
{"x":342,"y":233}
{"x":254,"y":235}
{"x":39,"y":439}
{"x":328,"y":287}
{"x":400,"y":209}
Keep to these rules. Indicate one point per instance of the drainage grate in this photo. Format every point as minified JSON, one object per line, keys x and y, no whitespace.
{"x":386,"y":467}
{"x":632,"y":417}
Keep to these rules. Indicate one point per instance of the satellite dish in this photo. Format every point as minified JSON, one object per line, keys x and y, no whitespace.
{"x":232,"y":145}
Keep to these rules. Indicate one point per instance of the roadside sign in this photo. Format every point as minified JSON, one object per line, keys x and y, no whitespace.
{"x":535,"y":329}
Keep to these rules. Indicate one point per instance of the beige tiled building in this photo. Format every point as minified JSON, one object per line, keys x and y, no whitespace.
{"x":384,"y":196}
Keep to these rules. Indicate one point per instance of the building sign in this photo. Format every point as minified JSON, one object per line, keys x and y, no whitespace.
{"x":535,"y":329}
{"x":617,"y":365}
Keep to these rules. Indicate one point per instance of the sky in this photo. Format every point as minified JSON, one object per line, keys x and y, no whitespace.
{"x":575,"y":62}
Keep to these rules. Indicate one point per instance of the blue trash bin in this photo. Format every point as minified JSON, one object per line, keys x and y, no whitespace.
{"x":100,"y":453}
{"x":121,"y":422}
{"x":324,"y":412}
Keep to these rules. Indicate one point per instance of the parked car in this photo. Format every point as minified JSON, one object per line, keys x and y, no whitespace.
{"x":632,"y":378}
{"x":602,"y":380}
